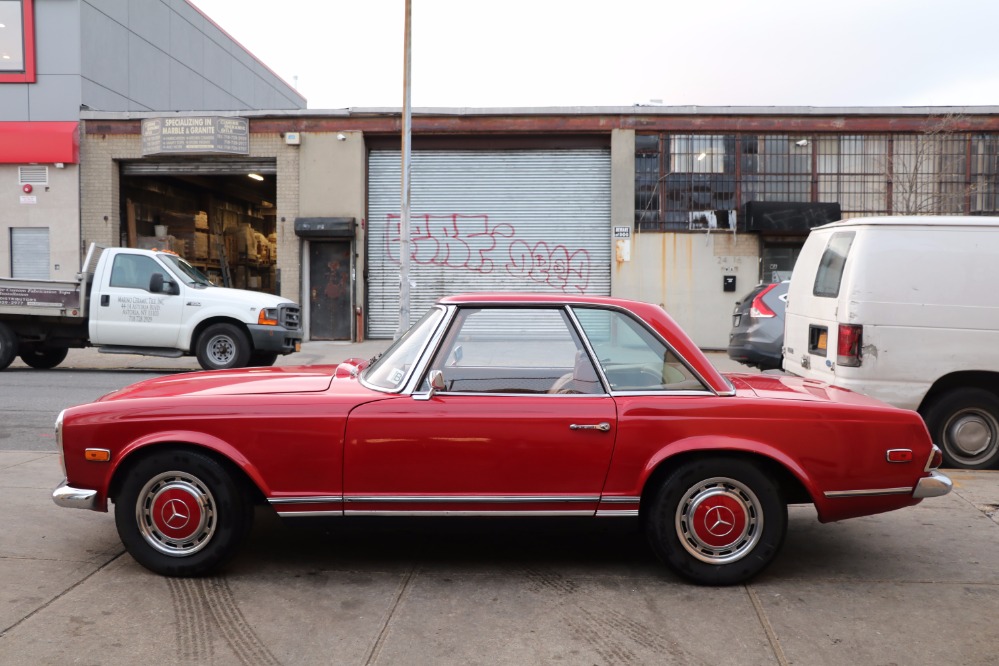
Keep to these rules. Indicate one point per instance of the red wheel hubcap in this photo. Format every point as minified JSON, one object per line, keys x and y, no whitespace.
{"x":719,"y":520}
{"x":176,"y":513}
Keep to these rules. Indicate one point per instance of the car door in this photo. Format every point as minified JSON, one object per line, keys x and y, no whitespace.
{"x":522,"y":425}
{"x":127,"y":313}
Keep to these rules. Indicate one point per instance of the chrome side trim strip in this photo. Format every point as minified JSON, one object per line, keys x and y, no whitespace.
{"x":619,"y":500}
{"x":471,"y":499}
{"x":310,"y":514}
{"x":307,"y":499}
{"x":579,"y":512}
{"x":617,"y":513}
{"x":875,"y":492}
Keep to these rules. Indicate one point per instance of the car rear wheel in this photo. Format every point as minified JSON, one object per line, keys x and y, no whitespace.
{"x":717,"y":521}
{"x":8,"y":346}
{"x":180,"y":513}
{"x":964,"y":423}
{"x":43,"y":358}
{"x":223,"y":346}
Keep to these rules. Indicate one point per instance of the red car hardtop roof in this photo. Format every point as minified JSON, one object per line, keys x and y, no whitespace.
{"x":653,"y":315}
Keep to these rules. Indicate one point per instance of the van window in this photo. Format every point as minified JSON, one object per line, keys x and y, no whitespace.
{"x":830,"y":272}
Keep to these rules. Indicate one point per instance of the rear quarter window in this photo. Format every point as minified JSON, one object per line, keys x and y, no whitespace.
{"x":830,"y":273}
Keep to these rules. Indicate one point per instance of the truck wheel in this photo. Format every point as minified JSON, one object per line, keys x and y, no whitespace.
{"x":8,"y":346}
{"x":261,"y":359}
{"x":964,"y":423}
{"x":223,"y":346}
{"x":43,"y":358}
{"x":717,"y":521}
{"x":181,"y":513}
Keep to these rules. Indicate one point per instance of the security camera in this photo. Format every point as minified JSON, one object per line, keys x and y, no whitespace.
{"x":803,"y":142}
{"x":340,"y":136}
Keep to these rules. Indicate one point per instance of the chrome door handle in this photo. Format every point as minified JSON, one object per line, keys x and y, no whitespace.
{"x":602,"y":427}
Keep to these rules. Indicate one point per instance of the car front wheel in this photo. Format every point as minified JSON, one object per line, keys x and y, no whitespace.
{"x":223,"y":346}
{"x":717,"y":521}
{"x":180,"y":513}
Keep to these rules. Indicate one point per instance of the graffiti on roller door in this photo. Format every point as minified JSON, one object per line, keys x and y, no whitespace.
{"x":473,"y":243}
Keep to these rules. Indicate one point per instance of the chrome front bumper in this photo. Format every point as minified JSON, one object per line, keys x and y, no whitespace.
{"x":934,"y":485}
{"x":74,"y":498}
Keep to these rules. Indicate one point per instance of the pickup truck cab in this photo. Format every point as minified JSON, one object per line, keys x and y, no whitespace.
{"x":144,"y":302}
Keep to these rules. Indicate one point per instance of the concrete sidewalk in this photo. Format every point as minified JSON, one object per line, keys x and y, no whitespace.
{"x":917,"y":586}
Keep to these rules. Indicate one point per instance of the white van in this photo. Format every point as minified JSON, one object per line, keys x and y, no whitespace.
{"x":905,"y":309}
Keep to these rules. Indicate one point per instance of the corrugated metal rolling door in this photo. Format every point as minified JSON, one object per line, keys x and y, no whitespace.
{"x":526,"y":220}
{"x":29,"y":253}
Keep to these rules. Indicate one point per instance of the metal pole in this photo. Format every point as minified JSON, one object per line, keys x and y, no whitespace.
{"x":407,"y":147}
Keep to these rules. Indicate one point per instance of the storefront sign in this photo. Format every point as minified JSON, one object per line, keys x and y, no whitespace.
{"x":211,"y":134}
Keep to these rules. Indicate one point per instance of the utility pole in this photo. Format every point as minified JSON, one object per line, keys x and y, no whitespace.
{"x":407,"y":149}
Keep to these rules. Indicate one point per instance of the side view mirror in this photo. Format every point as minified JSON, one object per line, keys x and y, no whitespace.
{"x":159,"y":285}
{"x":437,"y":383}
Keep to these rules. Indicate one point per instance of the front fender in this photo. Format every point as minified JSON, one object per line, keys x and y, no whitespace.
{"x":191,"y":438}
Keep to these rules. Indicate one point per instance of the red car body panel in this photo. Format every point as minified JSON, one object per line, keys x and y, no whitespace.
{"x":318,"y":441}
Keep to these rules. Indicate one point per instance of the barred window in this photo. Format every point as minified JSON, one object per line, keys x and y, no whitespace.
{"x":933,"y":172}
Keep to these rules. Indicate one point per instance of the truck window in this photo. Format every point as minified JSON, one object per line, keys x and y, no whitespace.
{"x":830,"y":273}
{"x":132,"y":271}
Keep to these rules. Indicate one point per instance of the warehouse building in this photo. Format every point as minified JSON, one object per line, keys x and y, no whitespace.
{"x":687,"y":207}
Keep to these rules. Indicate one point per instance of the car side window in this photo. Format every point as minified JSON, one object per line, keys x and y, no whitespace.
{"x":631,"y":356}
{"x":515,"y":350}
{"x":132,"y":271}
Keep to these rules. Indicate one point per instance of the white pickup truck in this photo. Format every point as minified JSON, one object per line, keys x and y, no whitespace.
{"x":130,"y":301}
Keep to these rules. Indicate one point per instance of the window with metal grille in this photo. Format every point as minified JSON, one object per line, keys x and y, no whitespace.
{"x":936,"y":171}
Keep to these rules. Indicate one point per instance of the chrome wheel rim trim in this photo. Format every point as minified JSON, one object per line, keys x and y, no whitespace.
{"x":719,"y":520}
{"x":176,"y":514}
{"x":971,"y":435}
{"x":221,"y":349}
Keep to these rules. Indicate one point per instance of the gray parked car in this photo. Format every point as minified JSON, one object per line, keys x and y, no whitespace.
{"x":758,"y":327}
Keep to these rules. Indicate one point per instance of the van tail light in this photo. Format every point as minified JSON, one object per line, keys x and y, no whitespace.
{"x":760,"y":309}
{"x":848,"y":345}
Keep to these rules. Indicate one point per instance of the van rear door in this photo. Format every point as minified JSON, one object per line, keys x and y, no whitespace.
{"x":811,"y":324}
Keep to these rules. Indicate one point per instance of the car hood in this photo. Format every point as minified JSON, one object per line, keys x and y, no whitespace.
{"x":790,"y":387}
{"x":244,"y":381}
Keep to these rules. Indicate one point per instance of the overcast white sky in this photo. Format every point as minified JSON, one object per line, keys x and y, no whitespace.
{"x":517,"y":53}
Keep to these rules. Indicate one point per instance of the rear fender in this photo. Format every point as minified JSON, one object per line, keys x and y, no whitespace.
{"x":714,"y":445}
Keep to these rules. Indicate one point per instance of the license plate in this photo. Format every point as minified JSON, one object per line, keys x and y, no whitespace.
{"x":821,"y":344}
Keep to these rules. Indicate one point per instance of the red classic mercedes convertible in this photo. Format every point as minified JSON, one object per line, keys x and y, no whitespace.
{"x":497,"y":405}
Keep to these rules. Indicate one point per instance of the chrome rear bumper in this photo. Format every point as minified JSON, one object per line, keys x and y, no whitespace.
{"x":934,"y":485}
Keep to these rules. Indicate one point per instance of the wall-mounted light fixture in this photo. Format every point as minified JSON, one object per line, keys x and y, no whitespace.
{"x":255,"y":176}
{"x":700,"y":158}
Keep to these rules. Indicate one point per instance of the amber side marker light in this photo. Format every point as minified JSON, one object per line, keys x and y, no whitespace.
{"x":97,"y":455}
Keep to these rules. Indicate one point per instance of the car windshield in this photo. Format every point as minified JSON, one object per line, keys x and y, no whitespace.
{"x":185,"y":271}
{"x":392,"y":368}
